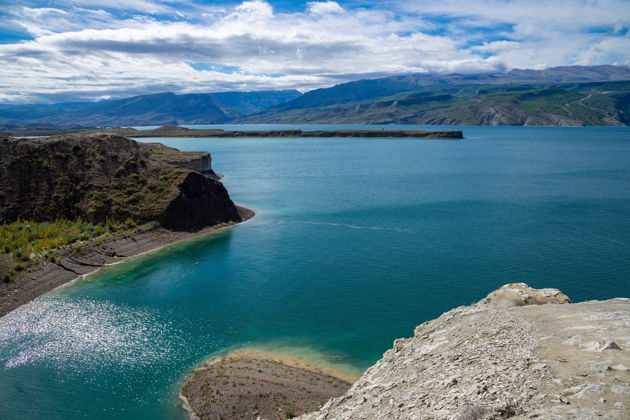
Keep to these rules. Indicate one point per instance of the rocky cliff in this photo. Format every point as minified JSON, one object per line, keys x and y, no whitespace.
{"x":195,"y":161}
{"x":108,"y":176}
{"x":519,"y":353}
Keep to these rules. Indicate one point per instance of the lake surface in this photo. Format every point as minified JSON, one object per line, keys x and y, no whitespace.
{"x":355,"y":242}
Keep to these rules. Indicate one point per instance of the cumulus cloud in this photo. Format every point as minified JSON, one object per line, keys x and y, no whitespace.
{"x":323,"y":7}
{"x":253,"y":11}
{"x":537,"y":33}
{"x":95,"y":48}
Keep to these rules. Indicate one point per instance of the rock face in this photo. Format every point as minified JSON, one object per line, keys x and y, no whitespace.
{"x":519,"y":353}
{"x":195,"y":161}
{"x":520,"y":294}
{"x":96,"y":177}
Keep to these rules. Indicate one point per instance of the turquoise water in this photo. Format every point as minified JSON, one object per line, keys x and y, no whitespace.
{"x":356,"y":242}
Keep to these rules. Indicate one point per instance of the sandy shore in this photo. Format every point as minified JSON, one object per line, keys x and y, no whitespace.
{"x":72,"y":267}
{"x":251,"y":384}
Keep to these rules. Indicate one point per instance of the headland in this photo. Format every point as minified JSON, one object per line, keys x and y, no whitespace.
{"x":72,"y":204}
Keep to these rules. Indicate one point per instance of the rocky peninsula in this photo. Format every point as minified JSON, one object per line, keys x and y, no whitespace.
{"x":518,"y":353}
{"x":177,"y":131}
{"x":128,"y":197}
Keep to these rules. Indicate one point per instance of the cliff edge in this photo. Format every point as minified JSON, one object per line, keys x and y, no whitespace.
{"x":108,"y":176}
{"x":519,"y":353}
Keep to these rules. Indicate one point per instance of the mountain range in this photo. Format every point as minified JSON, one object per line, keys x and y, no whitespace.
{"x":574,"y":96}
{"x":570,"y":95}
{"x":155,"y":109}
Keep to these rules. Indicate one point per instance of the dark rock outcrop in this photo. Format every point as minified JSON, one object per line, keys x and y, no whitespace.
{"x":106,"y":176}
{"x":200,"y":202}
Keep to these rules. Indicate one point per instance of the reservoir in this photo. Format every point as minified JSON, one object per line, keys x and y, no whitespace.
{"x":355,"y":242}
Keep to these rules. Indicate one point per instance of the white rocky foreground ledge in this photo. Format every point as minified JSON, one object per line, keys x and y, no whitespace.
{"x":518,"y":353}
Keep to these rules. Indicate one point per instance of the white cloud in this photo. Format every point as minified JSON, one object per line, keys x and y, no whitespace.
{"x":39,"y":12}
{"x":253,"y":11}
{"x":87,"y":52}
{"x":568,"y":14}
{"x":496,"y":46}
{"x":323,"y":7}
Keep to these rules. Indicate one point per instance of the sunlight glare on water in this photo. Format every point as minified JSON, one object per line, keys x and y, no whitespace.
{"x":82,"y":333}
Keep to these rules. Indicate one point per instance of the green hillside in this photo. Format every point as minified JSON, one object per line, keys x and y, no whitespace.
{"x":564,"y":104}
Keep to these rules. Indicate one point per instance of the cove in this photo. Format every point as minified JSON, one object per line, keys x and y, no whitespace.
{"x":355,"y":242}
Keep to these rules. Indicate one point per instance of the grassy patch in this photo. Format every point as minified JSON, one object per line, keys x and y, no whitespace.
{"x":29,"y":242}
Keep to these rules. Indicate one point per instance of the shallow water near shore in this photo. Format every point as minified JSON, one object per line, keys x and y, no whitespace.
{"x":355,"y":242}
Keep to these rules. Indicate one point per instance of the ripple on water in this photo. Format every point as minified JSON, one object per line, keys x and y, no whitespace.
{"x":70,"y":333}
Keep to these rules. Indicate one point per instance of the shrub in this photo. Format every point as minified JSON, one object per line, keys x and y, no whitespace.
{"x":19,"y":267}
{"x":136,"y":198}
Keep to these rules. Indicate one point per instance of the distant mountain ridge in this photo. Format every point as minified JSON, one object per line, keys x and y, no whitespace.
{"x":569,"y":95}
{"x":374,"y":88}
{"x":576,"y":95}
{"x":154,"y":109}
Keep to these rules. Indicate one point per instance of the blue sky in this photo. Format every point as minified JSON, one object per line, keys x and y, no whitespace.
{"x":73,"y":50}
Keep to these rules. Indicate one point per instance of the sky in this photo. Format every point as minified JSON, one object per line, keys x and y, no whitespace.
{"x":87,"y":50}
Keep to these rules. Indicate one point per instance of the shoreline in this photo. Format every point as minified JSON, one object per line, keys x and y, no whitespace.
{"x":292,"y":355}
{"x":53,"y":276}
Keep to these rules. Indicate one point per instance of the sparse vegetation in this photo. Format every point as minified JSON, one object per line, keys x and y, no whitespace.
{"x":29,"y":242}
{"x":252,"y":387}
